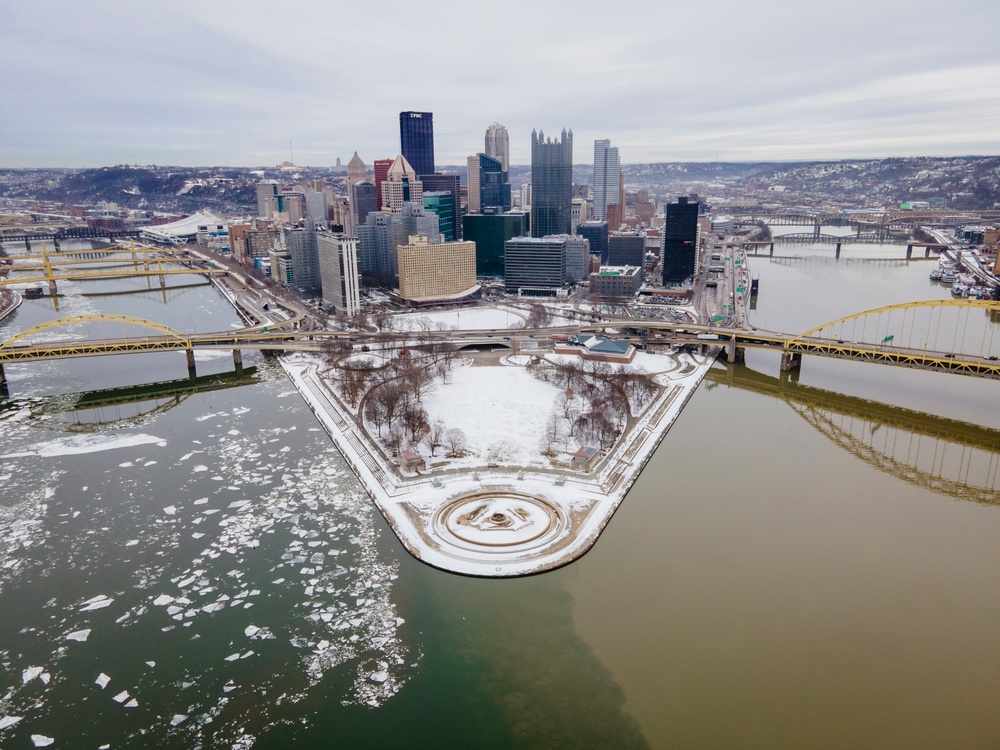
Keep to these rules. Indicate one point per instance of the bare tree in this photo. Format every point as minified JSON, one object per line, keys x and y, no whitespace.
{"x":538,"y":317}
{"x":455,"y":442}
{"x":414,"y":419}
{"x":553,"y":431}
{"x":435,"y":435}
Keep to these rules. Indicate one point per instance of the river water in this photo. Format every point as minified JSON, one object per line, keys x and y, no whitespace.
{"x":799,"y":565}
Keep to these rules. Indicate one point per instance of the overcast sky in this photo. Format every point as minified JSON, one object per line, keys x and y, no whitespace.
{"x":227,"y":82}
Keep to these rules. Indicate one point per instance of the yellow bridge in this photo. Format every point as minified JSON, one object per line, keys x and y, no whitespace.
{"x":954,"y":336}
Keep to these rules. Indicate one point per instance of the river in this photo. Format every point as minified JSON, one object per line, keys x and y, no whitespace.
{"x":779,"y":576}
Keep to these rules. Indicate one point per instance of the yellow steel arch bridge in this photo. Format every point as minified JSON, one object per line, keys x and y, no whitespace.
{"x":955,"y":336}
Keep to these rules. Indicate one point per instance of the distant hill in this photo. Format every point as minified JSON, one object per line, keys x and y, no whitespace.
{"x":968,"y":182}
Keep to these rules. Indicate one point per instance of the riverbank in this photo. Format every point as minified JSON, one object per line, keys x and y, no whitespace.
{"x":10,"y":300}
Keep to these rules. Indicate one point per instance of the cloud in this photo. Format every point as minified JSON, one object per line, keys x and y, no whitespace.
{"x":231,"y":82}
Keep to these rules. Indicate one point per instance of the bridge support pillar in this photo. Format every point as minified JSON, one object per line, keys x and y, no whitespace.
{"x":838,"y":250}
{"x":238,"y":360}
{"x":927,"y":252}
{"x":27,"y":245}
{"x":734,"y":353}
{"x":192,"y":373}
{"x":55,"y":244}
{"x":909,"y":251}
{"x":52,"y":287}
{"x":771,"y":251}
{"x":790,"y":361}
{"x":163,"y":282}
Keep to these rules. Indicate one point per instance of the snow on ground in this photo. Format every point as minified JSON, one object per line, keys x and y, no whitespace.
{"x":495,"y":406}
{"x":469,"y":319}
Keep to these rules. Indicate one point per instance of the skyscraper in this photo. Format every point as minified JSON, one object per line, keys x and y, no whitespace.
{"x":381,"y":169}
{"x":338,"y":269}
{"x":498,"y":144}
{"x":416,"y":140}
{"x":450,"y":183}
{"x":680,"y":241}
{"x":607,"y":173}
{"x":551,"y":184}
{"x":401,"y":185}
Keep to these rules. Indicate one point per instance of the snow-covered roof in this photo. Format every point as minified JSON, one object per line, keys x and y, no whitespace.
{"x":187,"y":228}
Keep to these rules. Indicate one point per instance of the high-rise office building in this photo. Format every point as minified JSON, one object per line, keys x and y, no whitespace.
{"x":401,"y":185}
{"x":626,"y":249}
{"x":446,"y":183}
{"x":489,"y":233}
{"x":364,"y":200}
{"x":494,"y":188}
{"x":551,"y":184}
{"x":300,"y":246}
{"x":433,"y":273}
{"x":416,"y":140}
{"x":472,"y":179}
{"x":680,"y":241}
{"x":535,"y":266}
{"x":442,"y":204}
{"x":383,"y":232}
{"x":498,"y":144}
{"x":597,"y":233}
{"x":267,"y":198}
{"x":381,"y":169}
{"x":338,"y":270}
{"x":317,"y":207}
{"x":607,"y":173}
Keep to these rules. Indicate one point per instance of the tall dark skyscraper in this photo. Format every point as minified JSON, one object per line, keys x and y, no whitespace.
{"x":494,"y":189}
{"x":551,"y":184}
{"x":416,"y":140}
{"x":680,"y":241}
{"x":433,"y":183}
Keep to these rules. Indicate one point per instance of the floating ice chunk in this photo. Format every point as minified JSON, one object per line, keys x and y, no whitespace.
{"x":174,"y":609}
{"x":201,"y":501}
{"x":170,"y":510}
{"x":98,"y":602}
{"x":378,"y":676}
{"x":121,"y":697}
{"x":31,"y":673}
{"x":197,"y":535}
{"x":131,"y":542}
{"x":248,"y":653}
{"x":250,"y":631}
{"x":163,"y":599}
{"x":125,"y":465}
{"x":132,"y":703}
{"x":45,"y":677}
{"x":232,"y":657}
{"x":102,"y":680}
{"x":79,"y":635}
{"x":177,"y":719}
{"x":239,"y":504}
{"x":150,"y":663}
{"x":41,"y":740}
{"x":199,"y":468}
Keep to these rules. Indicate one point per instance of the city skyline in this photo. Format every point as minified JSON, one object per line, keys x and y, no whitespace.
{"x":210,"y":84}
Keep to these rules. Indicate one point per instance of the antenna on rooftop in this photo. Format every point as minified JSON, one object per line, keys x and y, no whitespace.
{"x":291,"y":159}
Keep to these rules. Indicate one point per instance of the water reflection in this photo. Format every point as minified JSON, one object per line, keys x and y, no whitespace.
{"x":945,"y":456}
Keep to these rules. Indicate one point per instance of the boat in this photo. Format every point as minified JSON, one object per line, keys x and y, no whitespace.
{"x":948,"y":276}
{"x":34,"y":292}
{"x":936,"y":274}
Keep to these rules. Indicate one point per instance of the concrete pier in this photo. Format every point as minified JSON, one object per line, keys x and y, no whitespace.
{"x":790,"y":361}
{"x":192,"y":373}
